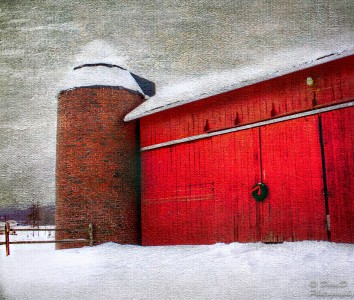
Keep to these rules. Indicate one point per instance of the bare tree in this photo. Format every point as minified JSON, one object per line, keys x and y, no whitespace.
{"x":34,"y":216}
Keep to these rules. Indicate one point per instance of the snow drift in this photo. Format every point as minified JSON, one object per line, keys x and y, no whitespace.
{"x":298,"y":270}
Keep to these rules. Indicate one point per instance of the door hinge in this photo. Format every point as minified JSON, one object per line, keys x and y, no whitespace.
{"x":328,"y":223}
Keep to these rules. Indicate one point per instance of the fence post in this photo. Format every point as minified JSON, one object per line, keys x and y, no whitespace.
{"x":90,"y":230}
{"x":7,"y":238}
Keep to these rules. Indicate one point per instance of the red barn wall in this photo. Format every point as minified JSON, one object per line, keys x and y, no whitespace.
{"x":199,"y":192}
{"x":97,"y":171}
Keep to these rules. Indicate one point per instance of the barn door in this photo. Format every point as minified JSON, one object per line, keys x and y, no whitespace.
{"x":236,"y":167}
{"x":291,"y":167}
{"x":338,"y":144}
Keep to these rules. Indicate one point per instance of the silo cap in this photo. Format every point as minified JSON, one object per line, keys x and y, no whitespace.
{"x":103,"y":74}
{"x":98,"y":65}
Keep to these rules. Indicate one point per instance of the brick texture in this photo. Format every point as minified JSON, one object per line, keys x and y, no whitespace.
{"x":98,"y":166}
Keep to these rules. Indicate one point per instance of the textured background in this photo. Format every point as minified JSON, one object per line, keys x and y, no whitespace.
{"x":165,"y":41}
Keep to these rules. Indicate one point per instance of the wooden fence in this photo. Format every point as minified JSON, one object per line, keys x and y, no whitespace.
{"x":7,"y":231}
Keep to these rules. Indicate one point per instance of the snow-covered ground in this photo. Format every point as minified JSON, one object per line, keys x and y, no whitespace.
{"x":301,"y":270}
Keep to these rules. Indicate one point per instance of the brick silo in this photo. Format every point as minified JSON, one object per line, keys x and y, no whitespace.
{"x":98,"y":165}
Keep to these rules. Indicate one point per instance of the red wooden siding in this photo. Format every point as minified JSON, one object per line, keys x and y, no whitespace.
{"x":338,"y":130}
{"x":292,"y":169}
{"x":178,"y":195}
{"x":200,"y":192}
{"x":235,"y":170}
{"x":280,"y":96}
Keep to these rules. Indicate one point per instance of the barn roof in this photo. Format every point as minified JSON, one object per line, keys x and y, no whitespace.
{"x":197,"y":89}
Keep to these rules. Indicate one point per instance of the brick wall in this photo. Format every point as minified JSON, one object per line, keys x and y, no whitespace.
{"x":98,"y":166}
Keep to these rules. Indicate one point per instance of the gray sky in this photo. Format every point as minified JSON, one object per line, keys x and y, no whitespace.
{"x":165,"y":41}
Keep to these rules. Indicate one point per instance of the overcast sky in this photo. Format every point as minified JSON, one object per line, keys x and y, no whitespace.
{"x":165,"y":41}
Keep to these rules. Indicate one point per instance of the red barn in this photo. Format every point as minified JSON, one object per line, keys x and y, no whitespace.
{"x":269,"y":159}
{"x":266,"y":159}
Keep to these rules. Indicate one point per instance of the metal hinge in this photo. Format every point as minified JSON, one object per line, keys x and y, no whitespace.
{"x":328,"y":223}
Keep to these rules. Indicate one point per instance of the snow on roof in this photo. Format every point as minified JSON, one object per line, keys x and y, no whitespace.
{"x":195,"y":89}
{"x":101,"y":75}
{"x":98,"y":65}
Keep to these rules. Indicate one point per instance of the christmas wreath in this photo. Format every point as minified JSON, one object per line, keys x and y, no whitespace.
{"x":259,"y":191}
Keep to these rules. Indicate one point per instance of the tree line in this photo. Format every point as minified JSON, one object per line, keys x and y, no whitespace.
{"x":34,"y":215}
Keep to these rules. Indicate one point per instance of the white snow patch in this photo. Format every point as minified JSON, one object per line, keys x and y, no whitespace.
{"x":300,"y":270}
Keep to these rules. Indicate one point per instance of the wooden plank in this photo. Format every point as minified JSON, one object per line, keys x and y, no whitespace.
{"x":349,"y":64}
{"x":296,"y":96}
{"x":145,"y":139}
{"x":182,"y":192}
{"x":323,"y":86}
{"x":337,"y":90}
{"x":199,"y":197}
{"x":338,"y":129}
{"x":217,"y":169}
{"x":246,"y":162}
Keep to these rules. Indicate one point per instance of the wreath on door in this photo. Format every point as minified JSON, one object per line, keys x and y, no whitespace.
{"x":259,"y":191}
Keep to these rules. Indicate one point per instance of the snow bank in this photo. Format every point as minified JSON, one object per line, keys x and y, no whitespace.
{"x":193,"y":89}
{"x":301,"y":270}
